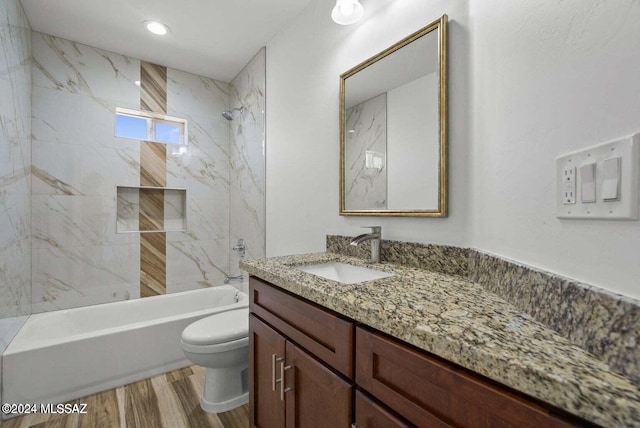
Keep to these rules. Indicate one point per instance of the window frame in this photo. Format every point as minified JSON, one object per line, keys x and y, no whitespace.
{"x":153,"y":118}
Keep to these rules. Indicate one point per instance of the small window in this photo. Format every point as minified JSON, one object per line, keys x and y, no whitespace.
{"x":167,"y":132}
{"x":131,"y":127}
{"x":148,"y":126}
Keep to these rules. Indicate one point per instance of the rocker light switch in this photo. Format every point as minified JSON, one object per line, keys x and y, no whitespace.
{"x":588,"y":182}
{"x":611,"y":179}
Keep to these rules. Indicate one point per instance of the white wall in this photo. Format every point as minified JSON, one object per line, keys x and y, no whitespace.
{"x":551,"y":77}
{"x":528,"y":82}
{"x":303,"y":68}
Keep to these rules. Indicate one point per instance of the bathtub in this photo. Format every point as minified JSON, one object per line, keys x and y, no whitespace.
{"x":68,"y":354}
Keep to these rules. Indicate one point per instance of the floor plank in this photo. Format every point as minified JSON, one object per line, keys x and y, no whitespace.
{"x":169,"y":400}
{"x":141,"y":405}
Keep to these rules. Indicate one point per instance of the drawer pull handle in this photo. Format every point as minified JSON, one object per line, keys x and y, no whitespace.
{"x":274,"y":359}
{"x":283,"y":368}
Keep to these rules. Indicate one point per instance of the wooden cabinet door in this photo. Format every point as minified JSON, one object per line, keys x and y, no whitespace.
{"x":371,"y":415}
{"x":321,"y":332}
{"x":316,"y":397}
{"x":266,"y":410}
{"x":430,"y":392}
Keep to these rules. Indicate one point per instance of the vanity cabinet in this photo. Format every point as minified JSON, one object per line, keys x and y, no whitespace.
{"x":298,"y":356}
{"x":311,"y":367}
{"x":430,"y":392}
{"x":370,"y":414}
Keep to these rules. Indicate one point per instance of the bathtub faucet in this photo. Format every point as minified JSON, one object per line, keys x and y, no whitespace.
{"x":227,"y":279}
{"x":374,"y":237}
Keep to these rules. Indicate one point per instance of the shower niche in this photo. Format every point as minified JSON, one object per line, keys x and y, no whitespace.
{"x":150,"y":209}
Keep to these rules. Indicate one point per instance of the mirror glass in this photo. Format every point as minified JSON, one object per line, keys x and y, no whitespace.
{"x":393,"y":139}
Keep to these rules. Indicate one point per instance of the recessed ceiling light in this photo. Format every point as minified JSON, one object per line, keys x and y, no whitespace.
{"x":156,"y":27}
{"x":347,"y":12}
{"x":137,"y":83}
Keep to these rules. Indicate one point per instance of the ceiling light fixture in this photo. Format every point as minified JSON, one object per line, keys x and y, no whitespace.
{"x":156,"y":27}
{"x":347,"y":12}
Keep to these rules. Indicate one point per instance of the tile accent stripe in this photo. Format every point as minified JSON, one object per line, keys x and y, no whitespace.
{"x":153,"y":87}
{"x":153,"y":172}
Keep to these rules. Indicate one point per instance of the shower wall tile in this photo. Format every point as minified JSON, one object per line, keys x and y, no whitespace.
{"x":66,"y":277}
{"x":11,"y":13}
{"x":71,"y":221}
{"x":14,"y":221}
{"x":196,"y":96}
{"x":78,"y":259}
{"x":70,"y":118}
{"x":203,"y":176}
{"x":15,"y":255}
{"x":15,"y":81}
{"x":15,"y":279}
{"x":195,"y":264}
{"x":200,"y":256}
{"x":207,"y":220}
{"x":70,"y":169}
{"x":15,"y":107}
{"x":247,"y":222}
{"x":247,"y":160}
{"x":80,"y":69}
{"x":15,"y":161}
{"x":128,"y":208}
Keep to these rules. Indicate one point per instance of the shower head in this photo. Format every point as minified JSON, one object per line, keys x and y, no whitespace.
{"x":228,"y":114}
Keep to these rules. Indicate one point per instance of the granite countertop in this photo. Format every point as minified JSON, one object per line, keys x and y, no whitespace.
{"x":460,"y":321}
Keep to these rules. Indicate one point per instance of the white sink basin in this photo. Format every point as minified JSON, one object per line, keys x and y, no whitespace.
{"x":344,"y":273}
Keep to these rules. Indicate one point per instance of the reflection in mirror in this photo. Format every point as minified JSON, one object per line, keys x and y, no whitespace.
{"x":393,"y":129}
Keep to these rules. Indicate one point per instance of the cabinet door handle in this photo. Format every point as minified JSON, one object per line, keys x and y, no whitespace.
{"x":274,"y":359}
{"x":283,"y":368}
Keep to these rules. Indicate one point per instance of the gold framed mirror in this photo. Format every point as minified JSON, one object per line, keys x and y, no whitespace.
{"x":393,"y":129}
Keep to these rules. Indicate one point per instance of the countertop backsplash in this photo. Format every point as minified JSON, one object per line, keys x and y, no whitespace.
{"x":436,"y":258}
{"x":604,"y":324}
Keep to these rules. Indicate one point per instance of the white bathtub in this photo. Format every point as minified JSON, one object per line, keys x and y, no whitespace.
{"x":64,"y":355}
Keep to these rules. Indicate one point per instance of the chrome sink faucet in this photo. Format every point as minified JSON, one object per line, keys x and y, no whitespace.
{"x":374,"y":237}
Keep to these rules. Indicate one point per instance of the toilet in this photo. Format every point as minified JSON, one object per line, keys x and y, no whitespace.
{"x":220,"y":343}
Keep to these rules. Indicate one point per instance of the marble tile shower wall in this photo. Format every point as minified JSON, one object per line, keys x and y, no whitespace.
{"x":78,"y":259}
{"x":15,"y":161}
{"x":247,"y":160}
{"x":77,"y":164}
{"x":200,"y":256}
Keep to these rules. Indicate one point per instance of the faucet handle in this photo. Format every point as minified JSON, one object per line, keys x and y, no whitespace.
{"x":374,"y":229}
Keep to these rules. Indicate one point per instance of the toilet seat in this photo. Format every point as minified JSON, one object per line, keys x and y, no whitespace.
{"x":217,"y":333}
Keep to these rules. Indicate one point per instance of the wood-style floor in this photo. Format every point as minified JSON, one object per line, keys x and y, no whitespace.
{"x":170,"y":400}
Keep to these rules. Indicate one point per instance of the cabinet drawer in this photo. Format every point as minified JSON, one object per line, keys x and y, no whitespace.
{"x":427,"y":391}
{"x":371,"y":415}
{"x":319,"y":331}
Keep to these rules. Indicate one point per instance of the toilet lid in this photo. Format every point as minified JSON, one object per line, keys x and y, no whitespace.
{"x":219,"y":328}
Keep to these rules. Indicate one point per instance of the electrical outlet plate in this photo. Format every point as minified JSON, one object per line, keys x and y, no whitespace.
{"x":568,"y":178}
{"x":626,"y":208}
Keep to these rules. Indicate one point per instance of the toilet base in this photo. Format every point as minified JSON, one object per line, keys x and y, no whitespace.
{"x":225,"y":405}
{"x":225,"y":388}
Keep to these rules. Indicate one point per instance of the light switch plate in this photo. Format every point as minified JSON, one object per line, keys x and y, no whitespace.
{"x":626,"y":206}
{"x":588,"y":182}
{"x":611,"y":179}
